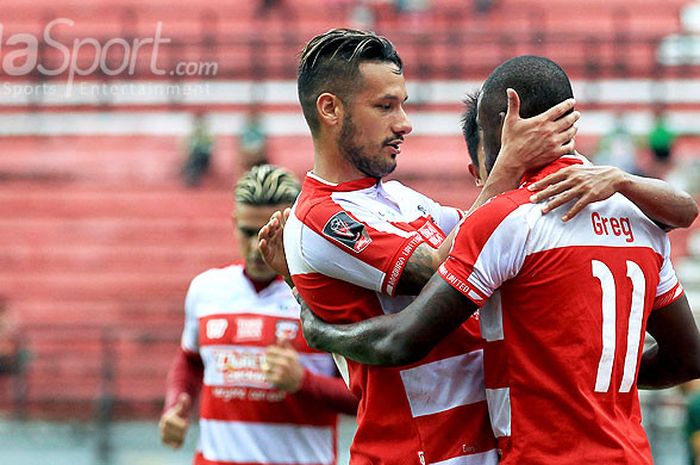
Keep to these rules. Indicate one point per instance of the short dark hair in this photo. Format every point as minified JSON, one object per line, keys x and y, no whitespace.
{"x":330,"y":62}
{"x":540,"y":83}
{"x":470,"y":128}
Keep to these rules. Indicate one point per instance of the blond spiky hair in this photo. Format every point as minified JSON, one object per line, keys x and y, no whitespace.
{"x":267,"y":185}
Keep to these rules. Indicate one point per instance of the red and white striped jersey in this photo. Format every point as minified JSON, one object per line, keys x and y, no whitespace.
{"x":347,"y":245}
{"x":243,"y":419}
{"x":564,"y":322}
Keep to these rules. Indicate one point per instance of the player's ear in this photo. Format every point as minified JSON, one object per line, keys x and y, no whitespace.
{"x":329,"y":109}
{"x":234,"y":219}
{"x":474,"y":171}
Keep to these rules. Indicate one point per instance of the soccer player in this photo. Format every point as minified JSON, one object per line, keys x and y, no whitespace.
{"x":358,"y":247}
{"x":563,"y":306}
{"x":267,"y":398}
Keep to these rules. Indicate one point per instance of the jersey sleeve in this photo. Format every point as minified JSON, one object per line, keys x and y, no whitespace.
{"x":369,"y":253}
{"x":489,"y":248}
{"x":669,"y":288}
{"x":190,"y":334}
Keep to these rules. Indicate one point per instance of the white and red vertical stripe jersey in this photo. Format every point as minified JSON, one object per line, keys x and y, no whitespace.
{"x":243,"y":419}
{"x":564,"y":313}
{"x":347,"y":245}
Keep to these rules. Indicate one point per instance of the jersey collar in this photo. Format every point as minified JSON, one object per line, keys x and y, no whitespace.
{"x":316,"y":182}
{"x":556,"y":165}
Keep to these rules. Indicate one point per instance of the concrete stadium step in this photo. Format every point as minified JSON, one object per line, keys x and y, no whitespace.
{"x":75,"y":202}
{"x":103,"y":286}
{"x":214,"y":234}
{"x":213,"y":251}
{"x":152,"y":312}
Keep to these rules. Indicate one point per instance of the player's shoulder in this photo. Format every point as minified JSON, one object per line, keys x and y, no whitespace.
{"x":502,"y":206}
{"x":399,"y":190}
{"x":318,"y":212}
{"x":621,"y":209}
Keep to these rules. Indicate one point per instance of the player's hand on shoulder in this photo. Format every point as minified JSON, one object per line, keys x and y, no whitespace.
{"x":281,"y":366}
{"x":534,"y":142}
{"x":173,"y":423}
{"x":271,"y":242}
{"x":586,"y":183}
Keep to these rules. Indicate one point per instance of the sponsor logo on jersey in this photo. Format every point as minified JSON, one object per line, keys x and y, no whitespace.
{"x":349,"y":232}
{"x":240,"y":367}
{"x":216,"y":328}
{"x":432,"y":234}
{"x":285,"y":329}
{"x":249,"y":329}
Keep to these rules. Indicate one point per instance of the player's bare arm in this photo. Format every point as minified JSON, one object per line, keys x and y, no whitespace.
{"x":675,"y":358}
{"x":586,"y":184}
{"x":397,"y":339}
{"x":528,"y":143}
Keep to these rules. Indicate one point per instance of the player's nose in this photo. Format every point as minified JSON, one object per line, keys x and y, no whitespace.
{"x":402,"y":125}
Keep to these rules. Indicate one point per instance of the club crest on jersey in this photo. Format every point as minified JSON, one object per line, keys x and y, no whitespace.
{"x":349,"y":232}
{"x":286,"y":330}
{"x":216,"y":328}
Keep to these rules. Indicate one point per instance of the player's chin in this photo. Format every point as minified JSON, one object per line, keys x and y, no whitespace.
{"x":260,"y":271}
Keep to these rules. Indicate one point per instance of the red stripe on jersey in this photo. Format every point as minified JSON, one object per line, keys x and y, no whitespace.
{"x":482,"y":222}
{"x":235,"y":403}
{"x":667,"y":298}
{"x":464,"y":430}
{"x":223,"y":328}
{"x":336,"y":301}
{"x":199,"y":459}
{"x":495,"y":355}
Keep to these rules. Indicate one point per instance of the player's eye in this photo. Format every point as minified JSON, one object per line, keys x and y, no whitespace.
{"x":248,"y":232}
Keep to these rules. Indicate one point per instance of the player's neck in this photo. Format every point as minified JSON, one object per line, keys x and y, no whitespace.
{"x":330,"y":165}
{"x":259,"y":284}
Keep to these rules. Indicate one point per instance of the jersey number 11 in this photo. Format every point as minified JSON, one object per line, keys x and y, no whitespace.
{"x":634,"y":327}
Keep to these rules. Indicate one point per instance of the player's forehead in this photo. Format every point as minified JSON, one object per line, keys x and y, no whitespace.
{"x":382,"y":79}
{"x":255,"y":216}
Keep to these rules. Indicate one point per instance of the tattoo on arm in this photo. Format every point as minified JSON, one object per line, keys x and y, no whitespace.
{"x":420,"y":267}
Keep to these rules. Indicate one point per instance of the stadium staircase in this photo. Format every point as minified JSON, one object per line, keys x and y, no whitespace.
{"x":100,"y":237}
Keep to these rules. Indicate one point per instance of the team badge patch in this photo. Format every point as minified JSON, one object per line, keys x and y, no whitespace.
{"x":286,"y":330}
{"x":249,"y":329}
{"x":216,"y":328}
{"x":352,"y":234}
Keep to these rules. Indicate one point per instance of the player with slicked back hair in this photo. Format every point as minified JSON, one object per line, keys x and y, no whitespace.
{"x":267,"y":398}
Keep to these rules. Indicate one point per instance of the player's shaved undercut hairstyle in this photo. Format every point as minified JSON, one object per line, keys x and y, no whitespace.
{"x":470,"y":128}
{"x":267,"y":185}
{"x":330,"y":62}
{"x":540,"y":83}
